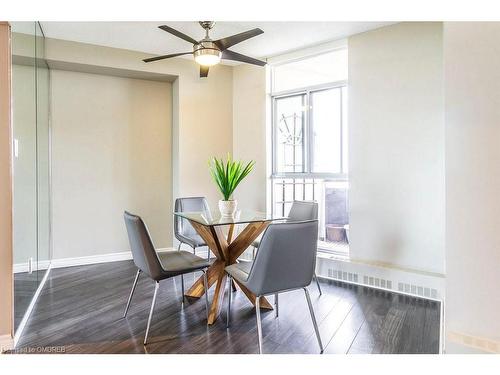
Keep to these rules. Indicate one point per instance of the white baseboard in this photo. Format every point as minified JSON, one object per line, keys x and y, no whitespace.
{"x":461,"y":343}
{"x":81,"y":261}
{"x":76,"y":261}
{"x":95,"y":259}
{"x":24,"y":267}
{"x":91,"y":259}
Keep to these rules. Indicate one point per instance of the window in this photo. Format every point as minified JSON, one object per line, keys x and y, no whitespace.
{"x":310,"y":156}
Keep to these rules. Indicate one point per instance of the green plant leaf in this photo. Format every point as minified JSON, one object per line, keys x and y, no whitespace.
{"x":228,"y":175}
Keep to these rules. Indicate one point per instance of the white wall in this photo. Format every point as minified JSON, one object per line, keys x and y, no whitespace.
{"x":111,"y":151}
{"x":203,"y":122}
{"x":201,"y":128}
{"x":472,"y":83}
{"x":396,"y":146}
{"x":249,"y":133}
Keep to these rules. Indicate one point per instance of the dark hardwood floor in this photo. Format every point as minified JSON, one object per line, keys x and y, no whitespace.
{"x":80,"y":311}
{"x":25,"y":286}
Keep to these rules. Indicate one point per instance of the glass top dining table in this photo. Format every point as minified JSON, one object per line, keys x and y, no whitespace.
{"x":214,"y":218}
{"x":210,"y":227}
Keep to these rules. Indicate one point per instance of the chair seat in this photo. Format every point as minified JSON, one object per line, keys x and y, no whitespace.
{"x":193,"y":240}
{"x":240,"y":270}
{"x":178,"y":262}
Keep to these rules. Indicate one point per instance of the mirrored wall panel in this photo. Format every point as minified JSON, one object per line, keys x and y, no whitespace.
{"x":31,"y":143}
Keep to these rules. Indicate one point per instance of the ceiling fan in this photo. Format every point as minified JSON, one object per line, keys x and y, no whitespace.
{"x":208,"y":52}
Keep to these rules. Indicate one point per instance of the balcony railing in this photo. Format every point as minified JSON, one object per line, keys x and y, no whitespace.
{"x":332,"y":198}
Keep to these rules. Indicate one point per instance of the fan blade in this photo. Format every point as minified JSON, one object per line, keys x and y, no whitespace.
{"x":178,"y":34}
{"x":225,"y":43}
{"x":235,"y":56}
{"x":203,"y":71}
{"x":166,"y":56}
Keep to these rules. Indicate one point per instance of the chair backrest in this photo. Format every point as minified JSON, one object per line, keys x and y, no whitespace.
{"x":143,"y":251}
{"x":182,"y":227}
{"x":286,"y":258}
{"x":303,"y":210}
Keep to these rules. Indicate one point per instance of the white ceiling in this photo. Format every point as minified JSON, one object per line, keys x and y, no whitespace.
{"x":278,"y":37}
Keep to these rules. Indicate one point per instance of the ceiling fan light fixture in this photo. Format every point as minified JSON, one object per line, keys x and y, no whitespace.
{"x":207,"y":59}
{"x":207,"y":54}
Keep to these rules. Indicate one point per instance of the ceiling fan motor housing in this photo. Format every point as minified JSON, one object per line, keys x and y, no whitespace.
{"x":206,"y":50}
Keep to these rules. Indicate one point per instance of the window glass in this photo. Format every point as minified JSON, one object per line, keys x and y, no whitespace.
{"x":326,"y":131}
{"x":289,"y":117}
{"x":345,"y":134}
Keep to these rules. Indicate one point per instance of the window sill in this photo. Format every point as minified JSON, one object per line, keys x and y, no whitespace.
{"x":311,"y":175}
{"x":334,"y":251}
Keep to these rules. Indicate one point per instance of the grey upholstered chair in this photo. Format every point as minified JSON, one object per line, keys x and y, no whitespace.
{"x":158,"y":266}
{"x":285,"y":261}
{"x":184,"y":231}
{"x":300,"y":211}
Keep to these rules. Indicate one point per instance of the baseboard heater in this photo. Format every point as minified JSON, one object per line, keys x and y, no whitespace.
{"x":381,"y":283}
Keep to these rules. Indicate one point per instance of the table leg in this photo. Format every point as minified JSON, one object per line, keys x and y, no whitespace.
{"x":198,"y":289}
{"x":218,"y":298}
{"x":245,"y":239}
{"x":264,"y":303}
{"x":227,"y":252}
{"x":230,"y":233}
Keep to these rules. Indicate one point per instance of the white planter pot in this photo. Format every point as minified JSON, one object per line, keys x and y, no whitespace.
{"x":228,"y":208}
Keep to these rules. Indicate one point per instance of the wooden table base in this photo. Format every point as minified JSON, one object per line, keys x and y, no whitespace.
{"x":227,"y":252}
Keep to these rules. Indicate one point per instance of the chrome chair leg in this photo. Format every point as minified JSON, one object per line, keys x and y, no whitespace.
{"x":313,"y":318}
{"x":317,"y":284}
{"x":276,"y":305}
{"x":131,"y":292}
{"x":229,"y":282}
{"x":182,"y":289}
{"x":157,"y":284}
{"x":205,"y":284}
{"x":182,"y":278}
{"x":259,"y":323}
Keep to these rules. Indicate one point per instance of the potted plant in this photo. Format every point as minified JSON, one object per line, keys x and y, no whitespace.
{"x":227,"y":177}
